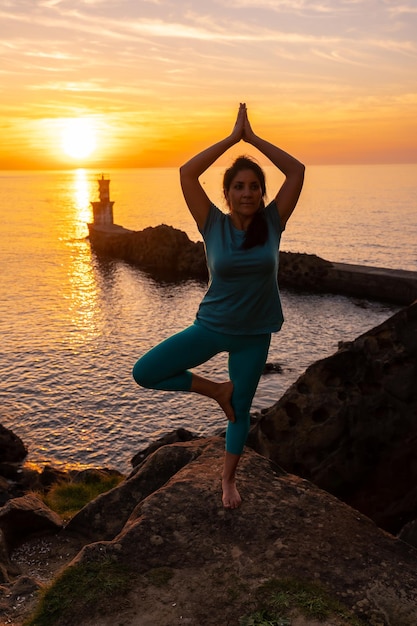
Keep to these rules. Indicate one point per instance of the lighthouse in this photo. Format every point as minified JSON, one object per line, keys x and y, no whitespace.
{"x":103,"y":208}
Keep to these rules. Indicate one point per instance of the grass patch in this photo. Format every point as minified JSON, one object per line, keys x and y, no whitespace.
{"x":278,"y":599}
{"x":81,"y":592}
{"x":264,"y":618}
{"x":67,"y":498}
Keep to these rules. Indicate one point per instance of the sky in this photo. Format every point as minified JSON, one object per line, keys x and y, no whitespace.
{"x":151,"y":82}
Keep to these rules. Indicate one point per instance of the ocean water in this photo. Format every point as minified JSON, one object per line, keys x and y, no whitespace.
{"x":72,"y":325}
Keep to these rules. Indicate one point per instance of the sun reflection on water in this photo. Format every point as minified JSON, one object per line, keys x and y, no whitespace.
{"x":84,"y":302}
{"x":82,"y":193}
{"x":83,"y":293}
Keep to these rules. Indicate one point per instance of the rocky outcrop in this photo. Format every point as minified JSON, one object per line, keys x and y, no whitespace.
{"x":303,"y":271}
{"x":286,"y":527}
{"x":166,"y":521}
{"x":27,"y":516}
{"x":167,"y":253}
{"x":175,"y":436}
{"x":94,"y":523}
{"x":12,"y":448}
{"x":349,"y":423}
{"x":163,"y":251}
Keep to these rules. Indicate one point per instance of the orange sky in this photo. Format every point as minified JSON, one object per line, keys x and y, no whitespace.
{"x":332,"y":81}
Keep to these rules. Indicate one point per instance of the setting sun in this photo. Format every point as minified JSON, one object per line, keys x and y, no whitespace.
{"x":78,"y":138}
{"x":140,"y":86}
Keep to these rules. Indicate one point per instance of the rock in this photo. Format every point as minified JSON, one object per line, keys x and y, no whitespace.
{"x":179,"y":434}
{"x":167,"y":250}
{"x":26,"y":516}
{"x":16,"y":481}
{"x":21,"y":480}
{"x":349,"y":424}
{"x":4,"y":490}
{"x":94,"y":521}
{"x":286,"y":527}
{"x":52,"y":475}
{"x":12,"y":448}
{"x":25,"y":586}
{"x":272,"y":368}
{"x":94,"y":475}
{"x":303,"y":271}
{"x":164,"y":251}
{"x":409,"y":533}
{"x":8,"y":570}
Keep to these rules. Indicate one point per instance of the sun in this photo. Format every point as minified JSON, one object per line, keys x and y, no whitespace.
{"x":78,"y":138}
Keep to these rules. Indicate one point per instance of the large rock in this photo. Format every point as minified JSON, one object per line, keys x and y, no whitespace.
{"x":95,"y":520}
{"x":12,"y":473}
{"x":27,"y":516}
{"x":286,"y":527}
{"x":174,"y":436}
{"x":349,"y":423}
{"x":303,"y":271}
{"x":164,"y":251}
{"x":12,"y":448}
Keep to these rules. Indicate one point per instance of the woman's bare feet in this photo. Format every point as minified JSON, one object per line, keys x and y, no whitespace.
{"x":231,"y":497}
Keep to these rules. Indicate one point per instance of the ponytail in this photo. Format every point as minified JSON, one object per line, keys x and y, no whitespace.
{"x":257,"y":232}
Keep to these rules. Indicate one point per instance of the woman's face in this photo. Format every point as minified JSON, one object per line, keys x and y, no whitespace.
{"x":244,"y":195}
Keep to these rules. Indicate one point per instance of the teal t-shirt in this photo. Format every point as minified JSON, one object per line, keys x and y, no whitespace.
{"x":242,"y":296}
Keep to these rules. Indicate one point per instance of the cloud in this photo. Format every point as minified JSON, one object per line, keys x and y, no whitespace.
{"x":402,"y":9}
{"x":122,"y":57}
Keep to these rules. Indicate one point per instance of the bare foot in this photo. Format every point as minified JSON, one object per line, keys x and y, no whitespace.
{"x":224,"y":398}
{"x":231,"y":498}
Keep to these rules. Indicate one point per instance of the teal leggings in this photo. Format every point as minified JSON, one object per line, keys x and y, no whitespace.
{"x":166,"y":367}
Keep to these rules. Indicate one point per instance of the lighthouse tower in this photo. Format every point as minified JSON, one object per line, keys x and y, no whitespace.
{"x":103,"y":209}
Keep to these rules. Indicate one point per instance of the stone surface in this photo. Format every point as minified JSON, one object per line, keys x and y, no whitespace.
{"x":286,"y":526}
{"x":179,"y":434}
{"x":23,"y":517}
{"x":12,"y":448}
{"x":349,"y":423}
{"x":93,"y":521}
{"x":163,"y":251}
{"x":409,"y":533}
{"x":166,"y":519}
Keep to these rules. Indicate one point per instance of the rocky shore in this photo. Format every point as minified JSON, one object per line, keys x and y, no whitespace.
{"x":168,"y":253}
{"x":328,"y":484}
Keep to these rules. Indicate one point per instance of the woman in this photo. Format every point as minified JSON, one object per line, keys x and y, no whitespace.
{"x":242,"y":305}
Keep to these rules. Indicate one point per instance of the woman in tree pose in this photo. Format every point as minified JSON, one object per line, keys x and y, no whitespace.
{"x":241,"y":307}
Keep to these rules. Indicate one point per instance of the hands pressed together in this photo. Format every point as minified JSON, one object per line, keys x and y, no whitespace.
{"x":242,"y":128}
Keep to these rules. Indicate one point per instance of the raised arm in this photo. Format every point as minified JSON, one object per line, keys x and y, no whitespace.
{"x":194,"y":194}
{"x":287,"y":196}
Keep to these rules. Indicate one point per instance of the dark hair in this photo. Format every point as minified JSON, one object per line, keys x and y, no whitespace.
{"x":257,"y":232}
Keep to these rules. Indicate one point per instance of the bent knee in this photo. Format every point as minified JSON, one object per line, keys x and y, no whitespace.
{"x":142,"y":375}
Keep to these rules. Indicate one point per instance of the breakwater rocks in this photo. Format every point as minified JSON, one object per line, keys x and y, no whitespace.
{"x":349,"y":423}
{"x":167,"y":253}
{"x":163,"y":251}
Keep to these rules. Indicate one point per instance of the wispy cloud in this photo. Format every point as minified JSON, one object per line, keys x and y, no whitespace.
{"x":126,"y":56}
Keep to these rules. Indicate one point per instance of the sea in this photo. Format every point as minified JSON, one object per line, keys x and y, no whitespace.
{"x":72,"y":324}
